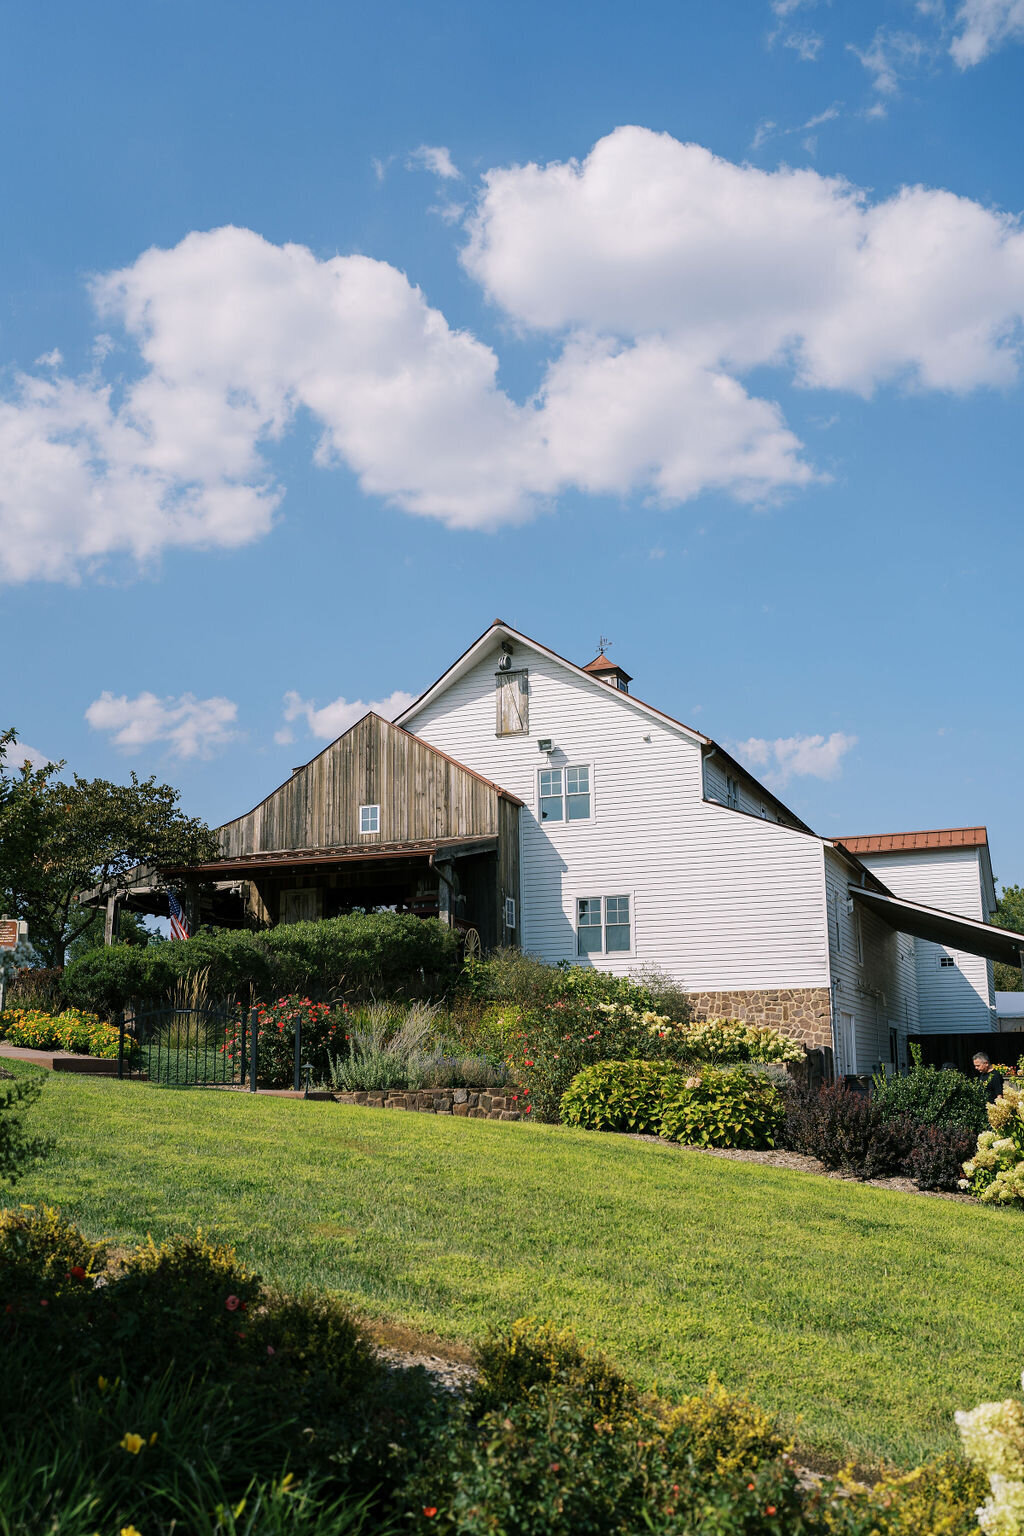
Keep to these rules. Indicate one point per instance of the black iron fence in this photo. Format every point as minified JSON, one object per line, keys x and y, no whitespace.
{"x":198,"y":1048}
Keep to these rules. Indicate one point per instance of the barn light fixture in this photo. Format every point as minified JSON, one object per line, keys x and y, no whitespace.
{"x":545,"y":744}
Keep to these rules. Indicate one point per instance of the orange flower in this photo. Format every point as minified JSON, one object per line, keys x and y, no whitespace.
{"x":430,"y":1510}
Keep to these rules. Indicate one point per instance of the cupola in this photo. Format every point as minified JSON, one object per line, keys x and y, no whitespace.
{"x":608,"y":672}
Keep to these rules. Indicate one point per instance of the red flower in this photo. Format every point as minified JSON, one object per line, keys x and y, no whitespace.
{"x":232,"y":1303}
{"x":430,"y":1510}
{"x":526,"y":1111}
{"x":770,"y":1509}
{"x":44,"y":1303}
{"x":77,"y":1272}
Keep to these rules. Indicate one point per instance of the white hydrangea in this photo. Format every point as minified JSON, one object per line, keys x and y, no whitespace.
{"x":993,"y":1438}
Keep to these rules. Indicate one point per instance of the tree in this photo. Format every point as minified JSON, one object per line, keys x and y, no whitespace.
{"x":1009,"y":914}
{"x":59,"y":838}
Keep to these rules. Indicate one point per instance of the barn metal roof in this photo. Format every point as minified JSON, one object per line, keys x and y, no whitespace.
{"x":895,"y":842}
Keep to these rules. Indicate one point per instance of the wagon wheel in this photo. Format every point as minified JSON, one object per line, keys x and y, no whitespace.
{"x":471,"y":944}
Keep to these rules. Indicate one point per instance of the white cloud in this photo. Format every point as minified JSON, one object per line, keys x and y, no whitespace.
{"x":22,"y":753}
{"x":191,"y":727}
{"x":733,"y":267}
{"x":334,"y":719}
{"x":806,"y":44}
{"x":984,"y":26}
{"x":818,"y":757}
{"x":662,"y":274}
{"x":436,"y":159}
{"x":891,"y":57}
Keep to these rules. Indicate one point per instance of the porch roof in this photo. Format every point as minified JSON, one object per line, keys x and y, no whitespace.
{"x":965,"y":933}
{"x":295,"y":860}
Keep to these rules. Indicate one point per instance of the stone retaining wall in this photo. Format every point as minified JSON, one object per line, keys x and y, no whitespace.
{"x":803,"y":1013}
{"x":439,"y":1101}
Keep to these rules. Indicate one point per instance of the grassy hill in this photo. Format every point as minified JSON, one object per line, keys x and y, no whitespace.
{"x":863,"y":1316}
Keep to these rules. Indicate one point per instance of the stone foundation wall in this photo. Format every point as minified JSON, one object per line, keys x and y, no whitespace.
{"x":804,"y":1013}
{"x":439,"y":1101}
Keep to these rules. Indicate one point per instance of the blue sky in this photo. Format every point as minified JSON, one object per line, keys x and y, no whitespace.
{"x":330,"y":333}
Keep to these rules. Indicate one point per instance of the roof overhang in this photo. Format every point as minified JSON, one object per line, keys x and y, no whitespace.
{"x":964,"y":933}
{"x":250,"y":866}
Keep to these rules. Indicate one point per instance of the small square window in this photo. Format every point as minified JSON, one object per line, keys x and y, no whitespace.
{"x":947,"y":962}
{"x":369,"y":818}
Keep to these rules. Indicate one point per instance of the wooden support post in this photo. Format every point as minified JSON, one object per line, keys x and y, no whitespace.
{"x":191,"y":907}
{"x":444,"y":895}
{"x":110,"y":924}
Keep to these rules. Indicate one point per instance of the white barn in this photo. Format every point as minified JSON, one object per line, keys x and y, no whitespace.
{"x":643,"y":842}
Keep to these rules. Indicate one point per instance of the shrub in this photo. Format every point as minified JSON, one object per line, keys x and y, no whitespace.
{"x":937,"y":1156}
{"x":105,"y":980}
{"x":845,"y":1130}
{"x":511,"y":1362}
{"x":383,"y":1041}
{"x":82,"y":1034}
{"x":37,"y":987}
{"x":728,"y":1042}
{"x":560,"y":1038}
{"x":995,"y":1174}
{"x":18,"y":1150}
{"x":931,"y":1096}
{"x":321,"y":1032}
{"x":993,"y":1438}
{"x":940,"y":1498}
{"x":620,"y":1096}
{"x":716,"y":1108}
{"x":438,"y":1069}
{"x":362,"y":954}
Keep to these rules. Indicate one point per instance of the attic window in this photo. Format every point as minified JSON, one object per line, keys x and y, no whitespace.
{"x":512,"y":703}
{"x":732,"y":792}
{"x":369,"y":818}
{"x":947,"y":962}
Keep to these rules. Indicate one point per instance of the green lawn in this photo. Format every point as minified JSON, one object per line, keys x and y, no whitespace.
{"x":868,"y":1315}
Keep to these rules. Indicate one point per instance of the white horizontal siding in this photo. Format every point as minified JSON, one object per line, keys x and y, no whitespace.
{"x":955,"y":998}
{"x":878,"y":983}
{"x":721,"y":900}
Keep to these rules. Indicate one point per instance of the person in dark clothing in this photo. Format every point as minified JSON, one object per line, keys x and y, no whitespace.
{"x":993,"y":1081}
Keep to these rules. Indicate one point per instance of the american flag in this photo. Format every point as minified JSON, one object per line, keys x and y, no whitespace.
{"x":179,"y":926}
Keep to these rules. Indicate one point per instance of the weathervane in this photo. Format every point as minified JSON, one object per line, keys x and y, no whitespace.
{"x":603,"y":644}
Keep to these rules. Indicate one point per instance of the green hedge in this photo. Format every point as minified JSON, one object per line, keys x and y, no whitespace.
{"x":381,"y":954}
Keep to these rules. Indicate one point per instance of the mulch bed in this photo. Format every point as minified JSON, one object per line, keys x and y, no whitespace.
{"x":800,"y":1163}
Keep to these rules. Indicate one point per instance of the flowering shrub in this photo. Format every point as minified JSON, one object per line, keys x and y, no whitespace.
{"x":993,"y":1439}
{"x":724,"y":1109}
{"x":83,"y":1034}
{"x":995,"y":1174}
{"x":620,"y":1096}
{"x":321,"y":1032}
{"x":560,"y":1038}
{"x":727,"y":1042}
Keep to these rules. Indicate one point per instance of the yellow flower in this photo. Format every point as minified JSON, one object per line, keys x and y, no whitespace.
{"x":102,"y":1383}
{"x":129,"y":1530}
{"x":152,"y":1438}
{"x":132,"y":1444}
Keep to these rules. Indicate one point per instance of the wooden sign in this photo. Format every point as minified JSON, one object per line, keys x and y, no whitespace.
{"x":9,"y":932}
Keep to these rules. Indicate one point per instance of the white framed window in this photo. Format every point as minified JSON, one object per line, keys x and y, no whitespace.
{"x":732,"y":792}
{"x":369,"y":818}
{"x":564,"y":794}
{"x":604,"y":925}
{"x":947,"y":962}
{"x":510,"y":911}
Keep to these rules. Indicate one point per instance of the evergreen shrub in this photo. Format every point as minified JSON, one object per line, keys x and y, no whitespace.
{"x":931,"y":1096}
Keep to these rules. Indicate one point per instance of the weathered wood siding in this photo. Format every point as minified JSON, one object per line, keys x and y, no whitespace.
{"x":422,"y":795}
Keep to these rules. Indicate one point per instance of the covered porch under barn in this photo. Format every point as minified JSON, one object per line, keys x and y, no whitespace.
{"x":377,"y":821}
